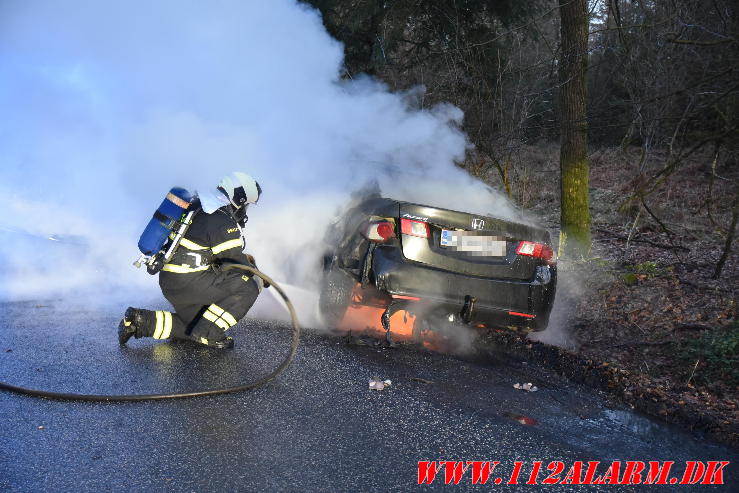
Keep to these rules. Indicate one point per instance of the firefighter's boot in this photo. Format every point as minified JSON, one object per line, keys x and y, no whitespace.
{"x":222,"y":342}
{"x":211,"y":327}
{"x":134,"y":320}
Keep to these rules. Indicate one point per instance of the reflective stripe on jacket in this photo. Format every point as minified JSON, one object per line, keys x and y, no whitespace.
{"x":211,"y":237}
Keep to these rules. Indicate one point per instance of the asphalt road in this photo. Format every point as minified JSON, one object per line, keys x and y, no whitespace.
{"x":316,"y":428}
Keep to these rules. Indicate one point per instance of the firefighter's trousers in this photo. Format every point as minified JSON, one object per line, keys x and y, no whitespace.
{"x":206,"y":303}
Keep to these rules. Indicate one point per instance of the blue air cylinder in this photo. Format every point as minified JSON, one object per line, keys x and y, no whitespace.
{"x":165,"y":219}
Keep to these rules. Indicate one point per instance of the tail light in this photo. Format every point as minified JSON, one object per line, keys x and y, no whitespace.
{"x":380,"y":231}
{"x":414,"y":228}
{"x":538,"y":250}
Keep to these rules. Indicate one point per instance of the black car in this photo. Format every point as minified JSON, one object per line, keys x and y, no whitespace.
{"x":437,"y":264}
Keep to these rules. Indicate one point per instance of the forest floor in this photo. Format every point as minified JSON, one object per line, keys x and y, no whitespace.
{"x":643,"y":317}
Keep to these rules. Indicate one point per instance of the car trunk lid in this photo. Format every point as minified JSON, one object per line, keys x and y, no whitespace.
{"x":470,"y":244}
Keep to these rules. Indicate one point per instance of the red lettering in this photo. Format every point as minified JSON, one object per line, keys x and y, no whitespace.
{"x":658,"y":472}
{"x":590,"y":473}
{"x":574,"y":474}
{"x":534,"y":472}
{"x":714,"y":475}
{"x":632,"y":474}
{"x":556,"y":467}
{"x":694,"y":471}
{"x":481,"y":470}
{"x":427,"y":471}
{"x":611,"y":475}
{"x":454,"y":470}
{"x":516,"y":471}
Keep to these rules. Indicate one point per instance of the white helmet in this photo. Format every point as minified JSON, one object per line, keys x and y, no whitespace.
{"x":240,"y":188}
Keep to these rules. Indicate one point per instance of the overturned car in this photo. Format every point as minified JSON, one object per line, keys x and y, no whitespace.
{"x":434,"y":265}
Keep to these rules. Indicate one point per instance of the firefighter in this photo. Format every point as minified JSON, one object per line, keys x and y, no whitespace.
{"x":207,"y":300}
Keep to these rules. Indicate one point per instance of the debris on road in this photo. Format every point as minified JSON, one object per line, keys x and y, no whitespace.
{"x":422,"y":380}
{"x":367,"y":340}
{"x":520,"y":418}
{"x":376,"y":384}
{"x":528,"y":387}
{"x":525,"y":420}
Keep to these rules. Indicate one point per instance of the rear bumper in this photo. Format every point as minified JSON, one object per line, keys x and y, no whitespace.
{"x":499,"y":302}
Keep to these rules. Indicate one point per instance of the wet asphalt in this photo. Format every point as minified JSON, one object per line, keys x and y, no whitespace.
{"x":316,"y":428}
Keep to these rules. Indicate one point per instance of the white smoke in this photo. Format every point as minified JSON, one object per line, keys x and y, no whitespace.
{"x":106,"y":105}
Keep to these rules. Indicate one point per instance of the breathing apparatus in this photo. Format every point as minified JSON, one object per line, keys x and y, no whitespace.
{"x":166,"y":229}
{"x":171,"y":220}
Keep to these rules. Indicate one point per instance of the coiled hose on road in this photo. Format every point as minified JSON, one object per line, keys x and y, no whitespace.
{"x":154,"y":397}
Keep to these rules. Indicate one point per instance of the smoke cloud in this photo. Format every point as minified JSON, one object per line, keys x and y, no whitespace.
{"x":106,"y":105}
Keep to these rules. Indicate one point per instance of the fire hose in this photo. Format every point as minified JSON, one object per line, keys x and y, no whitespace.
{"x":153,"y":397}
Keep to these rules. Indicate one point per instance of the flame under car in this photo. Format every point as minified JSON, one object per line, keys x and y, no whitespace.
{"x":404,"y":269}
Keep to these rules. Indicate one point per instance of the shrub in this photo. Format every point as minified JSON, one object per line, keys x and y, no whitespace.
{"x":718,"y":352}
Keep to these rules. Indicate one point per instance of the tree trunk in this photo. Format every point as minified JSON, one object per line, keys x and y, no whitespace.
{"x":729,"y":238}
{"x":575,"y":211}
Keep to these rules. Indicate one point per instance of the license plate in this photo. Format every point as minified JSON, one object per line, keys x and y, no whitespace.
{"x":473,"y":242}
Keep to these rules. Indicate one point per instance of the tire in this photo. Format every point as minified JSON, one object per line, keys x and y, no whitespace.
{"x":336,"y":295}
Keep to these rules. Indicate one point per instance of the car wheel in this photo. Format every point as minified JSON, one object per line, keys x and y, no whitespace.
{"x":336,"y":294}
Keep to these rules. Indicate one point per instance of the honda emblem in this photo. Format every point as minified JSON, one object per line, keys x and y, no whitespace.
{"x":478,"y":224}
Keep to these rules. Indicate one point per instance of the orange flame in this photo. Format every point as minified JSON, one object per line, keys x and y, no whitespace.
{"x":364,"y":316}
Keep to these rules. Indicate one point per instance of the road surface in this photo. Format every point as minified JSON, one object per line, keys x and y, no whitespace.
{"x":316,"y":428}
